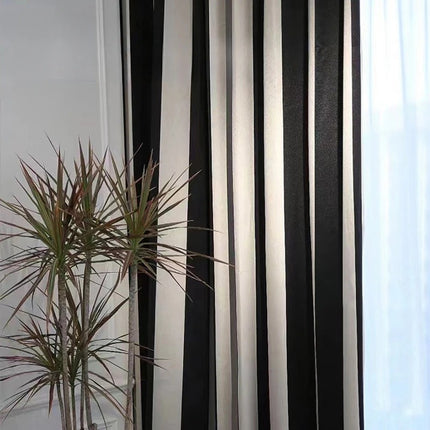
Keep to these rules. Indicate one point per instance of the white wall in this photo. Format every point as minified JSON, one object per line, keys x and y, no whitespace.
{"x":60,"y":74}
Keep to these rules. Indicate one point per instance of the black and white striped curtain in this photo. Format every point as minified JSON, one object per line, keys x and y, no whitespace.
{"x":262,"y":96}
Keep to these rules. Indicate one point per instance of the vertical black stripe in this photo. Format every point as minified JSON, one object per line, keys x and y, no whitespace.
{"x":213,"y":411}
{"x":300,"y":326}
{"x":124,"y":29}
{"x":231,"y":226}
{"x":156,"y":78}
{"x":147,"y":299}
{"x":356,"y":136}
{"x":197,"y":337}
{"x":146,"y":45}
{"x":260,"y":225}
{"x":328,"y":211}
{"x":141,"y":37}
{"x":141,"y":26}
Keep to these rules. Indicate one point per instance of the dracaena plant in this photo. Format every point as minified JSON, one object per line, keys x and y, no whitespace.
{"x":48,"y":220}
{"x":67,"y":223}
{"x":72,"y":222}
{"x":36,"y":351}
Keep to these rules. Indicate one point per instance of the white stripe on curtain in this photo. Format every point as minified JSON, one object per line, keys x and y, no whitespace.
{"x":274,"y":206}
{"x":174,"y":158}
{"x":243,"y":195}
{"x":311,"y":156}
{"x":350,"y":369}
{"x":218,"y":90}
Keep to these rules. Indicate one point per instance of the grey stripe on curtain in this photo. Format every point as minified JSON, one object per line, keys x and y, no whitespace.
{"x":262,"y":97}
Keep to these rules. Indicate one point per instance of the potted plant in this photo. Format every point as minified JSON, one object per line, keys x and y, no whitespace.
{"x":73,"y":221}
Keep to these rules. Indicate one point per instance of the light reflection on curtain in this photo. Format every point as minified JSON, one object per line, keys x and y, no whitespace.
{"x":396,"y":200}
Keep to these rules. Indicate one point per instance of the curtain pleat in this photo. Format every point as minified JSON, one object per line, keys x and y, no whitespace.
{"x":298,"y":265}
{"x":274,"y":207}
{"x":224,"y":281}
{"x":263,"y":98}
{"x":311,"y":170}
{"x":173,"y":159}
{"x":198,"y":362}
{"x":242,"y":119}
{"x":260,"y":217}
{"x":356,"y":166}
{"x":328,"y":211}
{"x":350,"y":341}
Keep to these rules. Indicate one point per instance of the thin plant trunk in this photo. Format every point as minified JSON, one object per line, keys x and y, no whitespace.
{"x":81,"y":408}
{"x":131,"y":345}
{"x":60,"y":402}
{"x":85,"y":393}
{"x":74,"y":421}
{"x":62,"y":310}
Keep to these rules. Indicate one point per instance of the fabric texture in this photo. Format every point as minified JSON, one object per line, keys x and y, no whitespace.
{"x":262,"y":97}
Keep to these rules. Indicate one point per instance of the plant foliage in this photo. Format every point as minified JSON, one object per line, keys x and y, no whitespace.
{"x":70,"y":222}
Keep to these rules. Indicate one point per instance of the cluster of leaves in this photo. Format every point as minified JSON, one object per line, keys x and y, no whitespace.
{"x":70,"y":223}
{"x":36,"y":351}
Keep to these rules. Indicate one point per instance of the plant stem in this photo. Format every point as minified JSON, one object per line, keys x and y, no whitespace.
{"x":81,"y":408}
{"x":74,"y":406}
{"x":60,"y":402}
{"x":62,"y":310}
{"x":131,"y":345}
{"x":85,"y":393}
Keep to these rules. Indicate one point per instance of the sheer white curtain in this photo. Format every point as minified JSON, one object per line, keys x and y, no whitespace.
{"x":396,"y":199}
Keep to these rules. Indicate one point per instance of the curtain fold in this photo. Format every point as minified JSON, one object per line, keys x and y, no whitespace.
{"x":275,"y":207}
{"x":263,"y":97}
{"x":302,"y":412}
{"x":329,"y":25}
